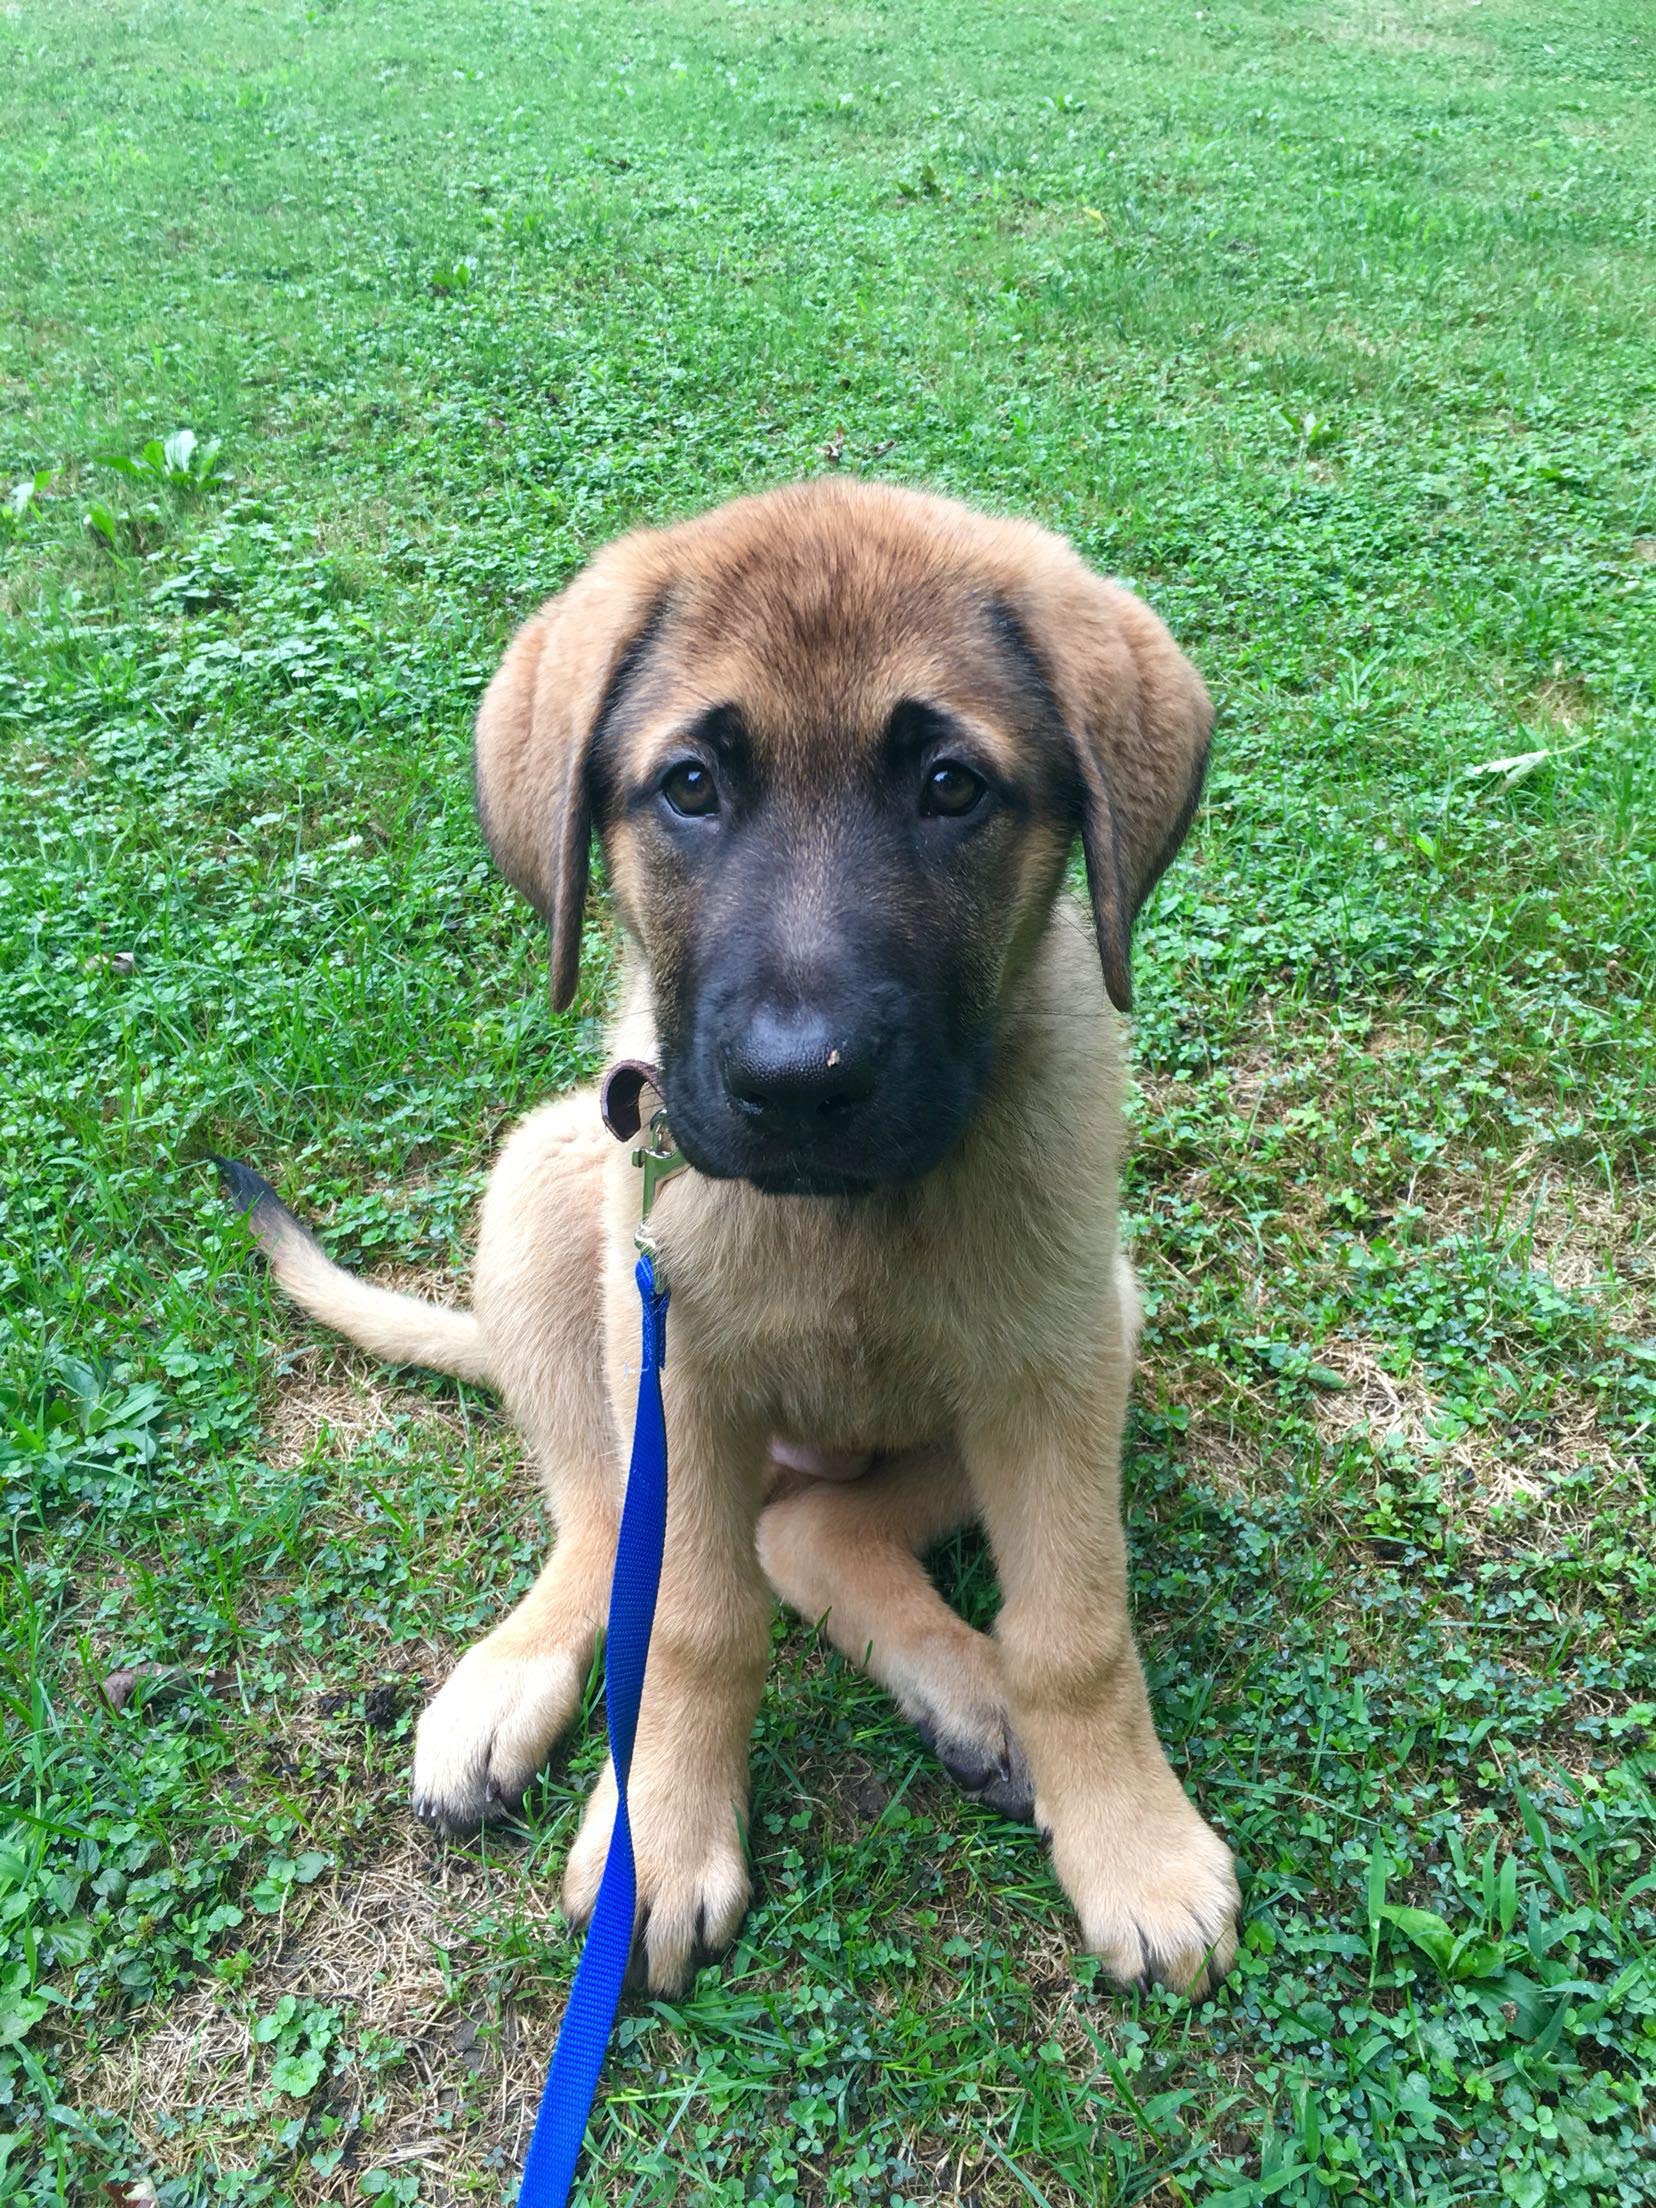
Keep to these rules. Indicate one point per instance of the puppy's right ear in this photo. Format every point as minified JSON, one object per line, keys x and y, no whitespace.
{"x":561,"y":680}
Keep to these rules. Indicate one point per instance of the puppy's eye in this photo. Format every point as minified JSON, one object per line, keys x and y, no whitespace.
{"x":690,"y":789}
{"x":951,"y":789}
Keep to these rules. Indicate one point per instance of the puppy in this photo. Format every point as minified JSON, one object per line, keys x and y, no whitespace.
{"x":836,"y":743}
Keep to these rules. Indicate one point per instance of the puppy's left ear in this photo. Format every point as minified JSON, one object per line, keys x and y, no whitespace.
{"x":1139,"y":718}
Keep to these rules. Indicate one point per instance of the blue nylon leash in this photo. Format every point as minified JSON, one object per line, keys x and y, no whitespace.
{"x":577,"y":2059}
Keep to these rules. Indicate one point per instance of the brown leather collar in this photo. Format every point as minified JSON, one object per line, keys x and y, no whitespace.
{"x":621,"y":1099}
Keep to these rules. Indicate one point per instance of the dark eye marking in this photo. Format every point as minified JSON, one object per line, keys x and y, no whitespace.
{"x":709,"y":767}
{"x":936,"y":765}
{"x":914,"y":729}
{"x":722,"y":731}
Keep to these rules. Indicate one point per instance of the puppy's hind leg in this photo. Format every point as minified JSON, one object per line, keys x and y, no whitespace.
{"x":848,"y":1554}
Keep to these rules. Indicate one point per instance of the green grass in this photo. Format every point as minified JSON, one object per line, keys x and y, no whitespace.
{"x":1326,"y":323}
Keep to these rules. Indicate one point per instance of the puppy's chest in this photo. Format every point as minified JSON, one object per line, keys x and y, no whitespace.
{"x":840,"y":1368}
{"x":865,"y":1335}
{"x":808,"y":1300}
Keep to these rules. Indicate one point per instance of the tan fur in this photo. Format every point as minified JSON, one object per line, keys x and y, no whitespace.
{"x":404,"y":1330}
{"x":975,"y":1328}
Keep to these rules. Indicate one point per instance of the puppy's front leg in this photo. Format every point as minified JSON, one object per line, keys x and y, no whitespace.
{"x":1153,"y":1885}
{"x":687,"y":1797}
{"x":510,"y":1698}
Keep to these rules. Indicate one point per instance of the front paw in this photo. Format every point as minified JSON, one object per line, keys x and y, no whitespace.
{"x":489,"y":1731}
{"x":1154,"y":1887}
{"x":693,"y":1883}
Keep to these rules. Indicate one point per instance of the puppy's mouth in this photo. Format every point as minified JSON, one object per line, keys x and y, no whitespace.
{"x":721,"y":1148}
{"x":809,"y":1180}
{"x":889,"y":1151}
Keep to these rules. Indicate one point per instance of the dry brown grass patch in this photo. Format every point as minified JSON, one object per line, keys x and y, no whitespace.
{"x":1390,"y":1414}
{"x":1391,"y":30}
{"x":194,"y":2087}
{"x":332,"y":1397}
{"x":1217,"y":1453}
{"x":1275,"y":1064}
{"x":1494,"y":1480}
{"x":1590,"y":1241}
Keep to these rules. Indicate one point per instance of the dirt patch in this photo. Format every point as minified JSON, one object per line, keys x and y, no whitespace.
{"x":1593,"y":1241}
{"x":316,"y":1412}
{"x":444,"y":2044}
{"x":1561,"y":703}
{"x":1251,"y":1077}
{"x":1215,"y":1453}
{"x":1389,"y":1414}
{"x":1396,"y":31}
{"x":430,"y":1282}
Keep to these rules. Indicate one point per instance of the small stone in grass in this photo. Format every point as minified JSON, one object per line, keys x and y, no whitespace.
{"x":868,"y":1798}
{"x":159,"y":1680}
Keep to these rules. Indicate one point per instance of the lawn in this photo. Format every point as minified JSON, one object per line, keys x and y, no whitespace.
{"x":1324,"y":322}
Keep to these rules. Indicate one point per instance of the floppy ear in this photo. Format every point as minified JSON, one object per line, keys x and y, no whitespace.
{"x":1139,"y":718}
{"x":562,"y":677}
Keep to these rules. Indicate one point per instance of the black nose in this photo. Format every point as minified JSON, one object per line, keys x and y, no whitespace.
{"x":799,"y":1074}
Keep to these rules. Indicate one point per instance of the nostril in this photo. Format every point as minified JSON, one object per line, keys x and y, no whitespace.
{"x":795,"y":1100}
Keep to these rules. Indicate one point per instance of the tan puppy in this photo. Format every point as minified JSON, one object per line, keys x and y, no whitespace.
{"x":837,"y":743}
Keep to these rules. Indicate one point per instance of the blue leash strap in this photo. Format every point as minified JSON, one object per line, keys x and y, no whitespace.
{"x":572,"y":2080}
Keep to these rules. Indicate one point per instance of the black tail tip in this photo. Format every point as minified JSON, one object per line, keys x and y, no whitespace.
{"x":273,"y":1225}
{"x":245,"y":1189}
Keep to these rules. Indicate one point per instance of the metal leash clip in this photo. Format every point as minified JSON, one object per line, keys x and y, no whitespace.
{"x":660,"y":1157}
{"x":621,"y":1101}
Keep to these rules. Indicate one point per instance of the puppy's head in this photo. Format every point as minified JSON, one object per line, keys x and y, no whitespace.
{"x":837,"y":743}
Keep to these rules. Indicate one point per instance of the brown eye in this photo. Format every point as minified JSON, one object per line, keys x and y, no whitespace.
{"x":691,"y":790}
{"x":951,"y":789}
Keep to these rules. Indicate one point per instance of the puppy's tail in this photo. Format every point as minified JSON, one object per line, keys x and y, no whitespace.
{"x":404,"y":1330}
